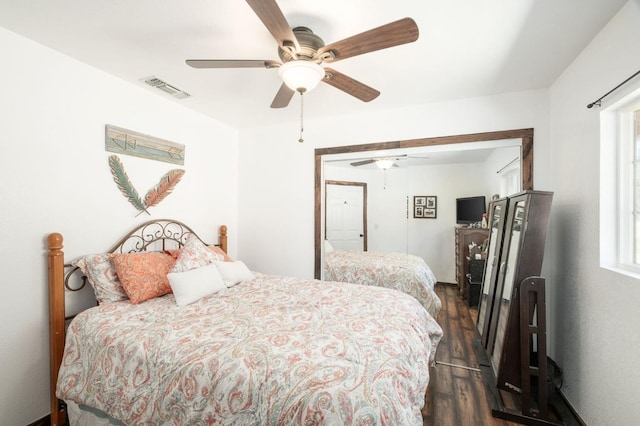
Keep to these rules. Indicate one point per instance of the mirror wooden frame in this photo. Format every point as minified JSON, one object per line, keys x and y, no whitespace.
{"x":526,"y":158}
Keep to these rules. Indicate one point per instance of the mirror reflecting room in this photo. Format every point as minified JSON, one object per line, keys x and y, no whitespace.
{"x":404,"y":200}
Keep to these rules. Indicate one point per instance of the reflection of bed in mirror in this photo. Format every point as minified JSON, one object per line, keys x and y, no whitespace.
{"x":407,"y":273}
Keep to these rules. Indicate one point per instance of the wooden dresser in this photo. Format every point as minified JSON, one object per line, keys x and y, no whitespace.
{"x":464,"y":237}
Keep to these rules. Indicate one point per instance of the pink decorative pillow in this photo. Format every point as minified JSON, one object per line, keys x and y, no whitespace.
{"x":194,"y":254}
{"x":176,"y":252}
{"x":102,"y":276}
{"x":220,"y":252}
{"x":143,"y":275}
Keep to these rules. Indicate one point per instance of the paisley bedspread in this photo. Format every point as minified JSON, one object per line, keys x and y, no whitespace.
{"x":400,"y":271}
{"x":269,"y":351}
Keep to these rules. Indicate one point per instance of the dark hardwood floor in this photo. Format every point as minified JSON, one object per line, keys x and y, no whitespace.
{"x":457,"y":396}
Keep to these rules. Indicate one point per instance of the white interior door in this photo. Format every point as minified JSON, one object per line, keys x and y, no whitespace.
{"x":345,"y":216}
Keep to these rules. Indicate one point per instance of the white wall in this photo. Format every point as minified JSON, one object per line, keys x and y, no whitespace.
{"x":387,"y":213}
{"x":281,"y":239}
{"x":595,"y":313}
{"x":434,"y":239}
{"x":55,"y":178}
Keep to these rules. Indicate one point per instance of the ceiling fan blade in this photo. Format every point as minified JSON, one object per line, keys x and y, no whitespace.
{"x":271,"y":16}
{"x":362,"y":163}
{"x":283,"y":97}
{"x":389,"y":35}
{"x":349,"y":85}
{"x":232,"y":63}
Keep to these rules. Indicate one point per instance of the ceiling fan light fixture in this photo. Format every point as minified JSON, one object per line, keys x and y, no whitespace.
{"x":301,"y":76}
{"x":384,"y":163}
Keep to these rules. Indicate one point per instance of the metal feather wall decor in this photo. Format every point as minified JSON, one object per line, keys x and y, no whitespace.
{"x":163,"y":188}
{"x":124,"y":184}
{"x":154,"y":196}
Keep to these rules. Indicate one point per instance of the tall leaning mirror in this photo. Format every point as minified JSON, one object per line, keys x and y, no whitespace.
{"x":497,"y":219}
{"x":522,"y":257}
{"x":502,"y":302}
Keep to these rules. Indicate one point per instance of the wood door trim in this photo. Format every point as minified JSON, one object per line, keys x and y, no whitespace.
{"x":364,"y":204}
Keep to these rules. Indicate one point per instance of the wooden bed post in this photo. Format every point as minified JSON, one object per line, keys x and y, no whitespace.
{"x":56,"y":322}
{"x":223,"y":238}
{"x":57,"y":313}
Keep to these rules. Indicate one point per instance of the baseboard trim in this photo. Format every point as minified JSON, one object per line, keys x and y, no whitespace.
{"x":573,"y":411}
{"x":45,"y":421}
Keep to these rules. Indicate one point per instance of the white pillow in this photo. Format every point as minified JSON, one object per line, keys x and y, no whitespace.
{"x":328,"y":248}
{"x":193,"y":285}
{"x":233,"y":272}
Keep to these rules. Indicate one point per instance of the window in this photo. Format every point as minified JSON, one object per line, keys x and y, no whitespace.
{"x":510,"y":180}
{"x":620,"y":186}
{"x":636,"y":186}
{"x":629,"y":194}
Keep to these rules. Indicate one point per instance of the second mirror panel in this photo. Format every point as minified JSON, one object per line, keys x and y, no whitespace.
{"x":497,"y":219}
{"x":503,"y":298}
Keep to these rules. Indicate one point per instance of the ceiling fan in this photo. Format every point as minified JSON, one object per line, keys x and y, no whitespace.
{"x":383,"y":163}
{"x":302,"y":53}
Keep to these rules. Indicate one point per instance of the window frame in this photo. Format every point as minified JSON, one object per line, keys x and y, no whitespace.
{"x":618,"y":233}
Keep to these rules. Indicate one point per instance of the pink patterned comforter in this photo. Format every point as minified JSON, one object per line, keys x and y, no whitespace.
{"x":269,"y":351}
{"x":407,"y":273}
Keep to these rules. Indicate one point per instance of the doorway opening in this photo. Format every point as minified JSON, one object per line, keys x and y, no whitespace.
{"x":346,"y":215}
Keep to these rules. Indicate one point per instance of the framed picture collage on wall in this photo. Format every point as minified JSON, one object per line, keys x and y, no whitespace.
{"x":425,"y":206}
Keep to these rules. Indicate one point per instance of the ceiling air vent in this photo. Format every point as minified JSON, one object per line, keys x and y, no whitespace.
{"x":166,"y":87}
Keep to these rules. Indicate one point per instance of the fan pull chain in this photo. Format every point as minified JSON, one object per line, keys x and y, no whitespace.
{"x":301,"y":115}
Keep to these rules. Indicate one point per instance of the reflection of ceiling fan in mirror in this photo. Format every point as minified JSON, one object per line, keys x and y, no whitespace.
{"x":388,"y":161}
{"x":383,"y":163}
{"x":302,"y":53}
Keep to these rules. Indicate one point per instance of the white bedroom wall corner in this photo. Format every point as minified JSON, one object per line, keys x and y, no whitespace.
{"x":57,"y":179}
{"x":593,"y":307}
{"x":276,"y":200}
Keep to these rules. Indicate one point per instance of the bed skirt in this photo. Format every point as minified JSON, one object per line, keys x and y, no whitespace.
{"x":82,"y":415}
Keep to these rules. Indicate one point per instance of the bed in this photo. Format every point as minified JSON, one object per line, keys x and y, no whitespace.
{"x":261,"y":349}
{"x":407,"y":273}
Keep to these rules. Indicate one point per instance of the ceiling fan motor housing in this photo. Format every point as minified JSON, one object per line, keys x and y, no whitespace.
{"x":309,"y":45}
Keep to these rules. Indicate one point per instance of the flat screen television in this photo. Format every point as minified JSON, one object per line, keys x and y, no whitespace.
{"x":470,"y":209}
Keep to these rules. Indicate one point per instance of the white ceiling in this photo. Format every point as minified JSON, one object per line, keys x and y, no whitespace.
{"x":466,"y":48}
{"x":461,"y":153}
